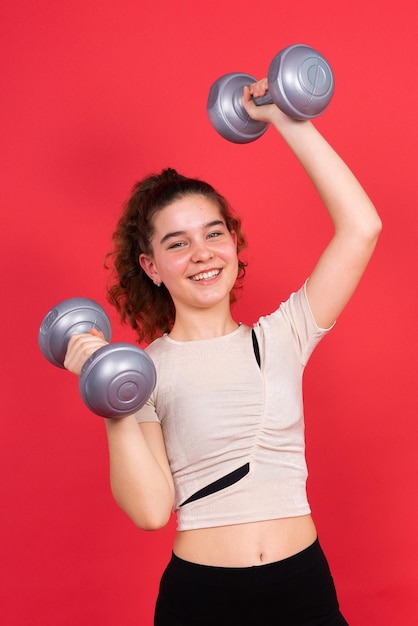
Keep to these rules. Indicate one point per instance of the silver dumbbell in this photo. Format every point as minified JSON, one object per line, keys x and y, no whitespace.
{"x":300,"y":82}
{"x":117,"y":379}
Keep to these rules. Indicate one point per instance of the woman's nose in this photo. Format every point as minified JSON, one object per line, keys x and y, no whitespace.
{"x":201,"y":252}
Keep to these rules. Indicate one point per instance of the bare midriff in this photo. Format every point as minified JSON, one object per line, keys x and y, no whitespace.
{"x":245,"y":545}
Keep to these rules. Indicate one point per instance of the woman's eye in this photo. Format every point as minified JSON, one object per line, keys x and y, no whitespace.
{"x":177,"y":244}
{"x":214,"y":234}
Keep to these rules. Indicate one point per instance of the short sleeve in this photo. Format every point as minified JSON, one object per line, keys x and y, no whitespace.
{"x":148,"y":413}
{"x":301,"y":319}
{"x":292,"y":327}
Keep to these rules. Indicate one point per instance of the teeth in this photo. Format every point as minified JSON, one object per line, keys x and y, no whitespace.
{"x":205,"y":275}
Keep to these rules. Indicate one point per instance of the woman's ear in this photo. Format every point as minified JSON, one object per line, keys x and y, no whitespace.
{"x":146,"y":261}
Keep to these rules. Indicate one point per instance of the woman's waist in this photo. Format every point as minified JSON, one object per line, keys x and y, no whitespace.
{"x":247,"y":544}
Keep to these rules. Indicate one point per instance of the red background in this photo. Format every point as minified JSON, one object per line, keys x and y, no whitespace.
{"x":96,"y":94}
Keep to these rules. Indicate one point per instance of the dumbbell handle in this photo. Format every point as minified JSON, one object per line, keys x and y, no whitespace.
{"x":261,"y":100}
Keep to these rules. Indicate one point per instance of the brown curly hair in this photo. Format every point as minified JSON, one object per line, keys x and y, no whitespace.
{"x":147,"y":308}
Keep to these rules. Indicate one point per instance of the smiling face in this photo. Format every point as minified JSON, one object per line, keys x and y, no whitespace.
{"x":193,"y":254}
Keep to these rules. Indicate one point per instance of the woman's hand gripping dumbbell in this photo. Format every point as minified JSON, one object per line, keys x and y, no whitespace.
{"x":300,"y":83}
{"x":116,"y":379}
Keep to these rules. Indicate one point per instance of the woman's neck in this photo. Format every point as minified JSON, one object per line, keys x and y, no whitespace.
{"x":196,"y":325}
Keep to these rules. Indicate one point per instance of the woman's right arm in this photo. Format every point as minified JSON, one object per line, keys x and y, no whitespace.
{"x":140,"y":476}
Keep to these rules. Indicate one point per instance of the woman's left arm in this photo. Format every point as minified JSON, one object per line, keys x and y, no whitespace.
{"x":356,"y":223}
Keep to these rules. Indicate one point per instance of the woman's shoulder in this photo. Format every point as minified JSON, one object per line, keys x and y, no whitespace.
{"x":157,"y":346}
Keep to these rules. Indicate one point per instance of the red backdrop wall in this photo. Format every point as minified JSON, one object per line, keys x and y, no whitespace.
{"x":95,"y":95}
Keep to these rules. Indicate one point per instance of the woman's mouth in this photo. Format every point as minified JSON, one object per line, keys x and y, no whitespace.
{"x":205,"y":275}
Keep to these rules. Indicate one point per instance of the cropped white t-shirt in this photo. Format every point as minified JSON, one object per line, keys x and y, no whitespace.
{"x":223,"y":414}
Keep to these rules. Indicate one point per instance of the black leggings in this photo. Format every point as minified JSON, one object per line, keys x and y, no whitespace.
{"x":297,"y":591}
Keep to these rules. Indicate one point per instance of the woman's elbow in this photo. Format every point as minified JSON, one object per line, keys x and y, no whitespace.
{"x":153,"y":516}
{"x":372,"y":223}
{"x":155,"y":521}
{"x":367,"y":231}
{"x":376,"y":227}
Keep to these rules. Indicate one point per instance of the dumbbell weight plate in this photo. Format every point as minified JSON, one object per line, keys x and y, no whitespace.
{"x":75,"y":315}
{"x":300,"y":81}
{"x":117,"y":380}
{"x":226,"y":113}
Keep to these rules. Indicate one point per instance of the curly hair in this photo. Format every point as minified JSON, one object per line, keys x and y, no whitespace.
{"x":147,"y":308}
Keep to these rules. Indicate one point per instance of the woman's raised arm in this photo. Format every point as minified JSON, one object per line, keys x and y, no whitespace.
{"x":356,"y":223}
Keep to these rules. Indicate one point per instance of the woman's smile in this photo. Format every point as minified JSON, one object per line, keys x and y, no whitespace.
{"x":206,"y":276}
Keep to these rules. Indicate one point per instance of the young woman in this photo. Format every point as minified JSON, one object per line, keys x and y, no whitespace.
{"x":221,"y":438}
